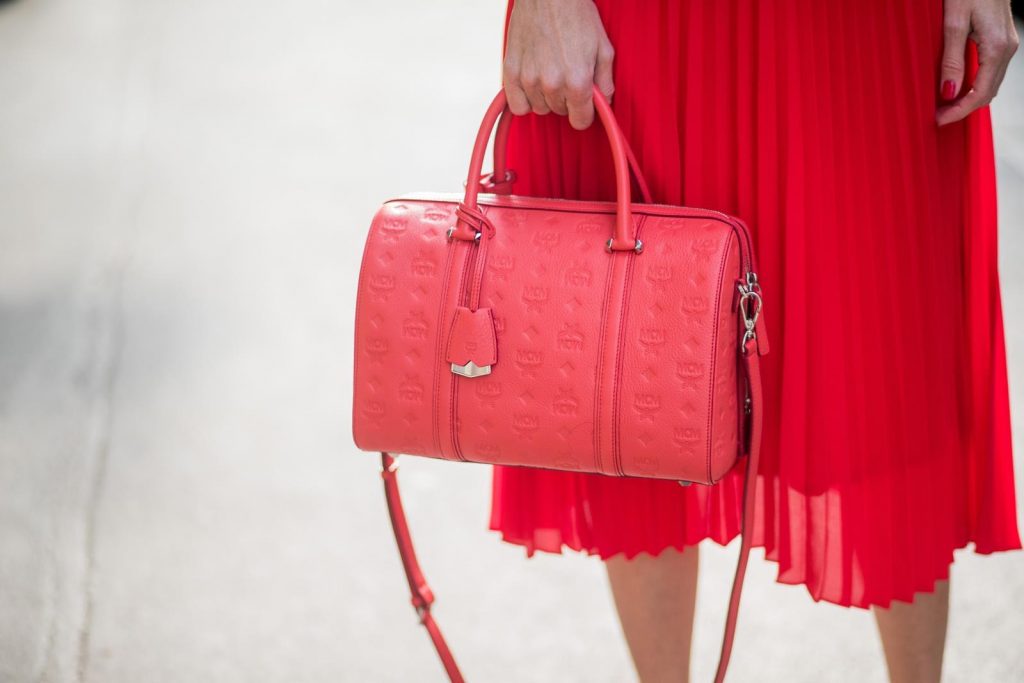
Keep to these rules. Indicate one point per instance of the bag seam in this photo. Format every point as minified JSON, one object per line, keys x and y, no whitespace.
{"x":714,"y":354}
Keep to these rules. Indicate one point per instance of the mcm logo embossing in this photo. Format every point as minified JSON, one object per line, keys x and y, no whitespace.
{"x":658,"y":274}
{"x":570,"y":338}
{"x":377,"y":347}
{"x":488,"y":451}
{"x":516,"y":218}
{"x":436,"y":214}
{"x":652,"y":339}
{"x":646,"y":462}
{"x":694,"y":304}
{"x":488,"y":393}
{"x":546,"y":238}
{"x":647,"y":405}
{"x":689,"y":374}
{"x":422,"y":265}
{"x":393,"y":227}
{"x":374,"y":411}
{"x":410,"y":389}
{"x":535,"y":296}
{"x":577,"y":275}
{"x":381,"y":285}
{"x":525,"y":424}
{"x":692,"y":452}
{"x":588,"y":227}
{"x":685,"y":437}
{"x":528,"y":360}
{"x":565,"y":403}
{"x":501,"y":265}
{"x":415,"y":326}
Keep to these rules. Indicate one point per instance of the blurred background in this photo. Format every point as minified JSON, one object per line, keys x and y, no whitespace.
{"x":184,"y":192}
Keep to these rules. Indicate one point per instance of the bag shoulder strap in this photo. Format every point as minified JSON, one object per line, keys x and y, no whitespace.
{"x":422,"y":597}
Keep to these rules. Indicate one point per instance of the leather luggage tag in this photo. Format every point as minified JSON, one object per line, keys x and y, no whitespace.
{"x":471,"y":340}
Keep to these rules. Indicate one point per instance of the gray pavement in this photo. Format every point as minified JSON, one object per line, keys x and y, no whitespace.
{"x":184,"y":190}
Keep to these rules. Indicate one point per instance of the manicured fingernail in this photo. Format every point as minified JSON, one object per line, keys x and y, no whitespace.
{"x":948,"y":90}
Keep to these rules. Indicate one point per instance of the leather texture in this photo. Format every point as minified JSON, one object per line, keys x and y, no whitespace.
{"x":623,"y":364}
{"x":603,"y":337}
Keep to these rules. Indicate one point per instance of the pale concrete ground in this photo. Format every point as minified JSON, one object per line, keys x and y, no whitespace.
{"x":184,"y":190}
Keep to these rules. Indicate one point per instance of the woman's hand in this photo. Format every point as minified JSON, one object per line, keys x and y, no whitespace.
{"x":989,"y":23}
{"x":556,"y":51}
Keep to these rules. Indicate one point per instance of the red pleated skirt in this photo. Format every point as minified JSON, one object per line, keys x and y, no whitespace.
{"x":886,"y":439}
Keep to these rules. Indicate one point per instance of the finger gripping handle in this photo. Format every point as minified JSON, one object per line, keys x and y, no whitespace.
{"x":624,"y":237}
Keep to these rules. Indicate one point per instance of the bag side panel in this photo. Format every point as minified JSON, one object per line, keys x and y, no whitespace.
{"x":402,"y":283}
{"x":727,"y":402}
{"x":669,"y":398}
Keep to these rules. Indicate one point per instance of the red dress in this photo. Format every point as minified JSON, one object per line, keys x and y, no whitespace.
{"x":886,"y":418}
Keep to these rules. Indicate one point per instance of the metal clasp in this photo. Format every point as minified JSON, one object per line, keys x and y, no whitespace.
{"x":638,"y":246}
{"x":476,"y":237}
{"x":471,"y":369}
{"x":748,"y":291}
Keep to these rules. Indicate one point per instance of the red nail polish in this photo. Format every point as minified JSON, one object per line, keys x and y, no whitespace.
{"x":948,"y":90}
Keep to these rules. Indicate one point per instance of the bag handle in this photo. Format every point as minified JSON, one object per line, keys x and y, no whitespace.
{"x":624,"y":237}
{"x":501,"y":179}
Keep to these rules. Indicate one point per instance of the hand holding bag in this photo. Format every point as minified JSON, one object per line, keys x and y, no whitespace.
{"x":618,"y":338}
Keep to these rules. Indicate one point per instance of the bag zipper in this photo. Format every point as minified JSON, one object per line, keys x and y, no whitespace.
{"x":664,"y":210}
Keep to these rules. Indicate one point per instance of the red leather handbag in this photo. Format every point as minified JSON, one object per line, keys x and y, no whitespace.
{"x":603,"y":337}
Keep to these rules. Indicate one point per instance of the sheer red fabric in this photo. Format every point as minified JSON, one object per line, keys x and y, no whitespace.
{"x":887,"y":423}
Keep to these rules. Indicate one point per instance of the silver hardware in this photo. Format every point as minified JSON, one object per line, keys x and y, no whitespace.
{"x":393,"y":467}
{"x":746,"y":405}
{"x":747,"y":292}
{"x":471,"y":369}
{"x":683,"y":482}
{"x":476,"y":237}
{"x":638,"y":247}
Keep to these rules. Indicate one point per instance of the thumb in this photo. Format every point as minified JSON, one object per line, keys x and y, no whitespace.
{"x":956,"y":26}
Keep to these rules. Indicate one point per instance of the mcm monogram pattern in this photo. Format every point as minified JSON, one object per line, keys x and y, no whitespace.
{"x":396,"y":319}
{"x":682,"y":378}
{"x":542,"y":387}
{"x":545,"y":279}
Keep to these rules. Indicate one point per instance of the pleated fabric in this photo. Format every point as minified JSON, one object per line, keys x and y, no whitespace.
{"x":886,"y":439}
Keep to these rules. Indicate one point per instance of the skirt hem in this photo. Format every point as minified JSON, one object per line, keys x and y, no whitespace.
{"x":927,"y":586}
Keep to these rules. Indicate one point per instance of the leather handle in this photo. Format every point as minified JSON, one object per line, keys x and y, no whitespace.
{"x":501,"y":179}
{"x":624,"y":238}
